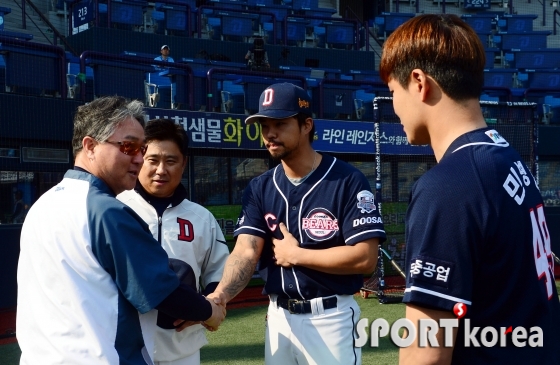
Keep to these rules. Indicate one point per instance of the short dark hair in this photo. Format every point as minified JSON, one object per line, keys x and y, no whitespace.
{"x":444,"y":47}
{"x":301,"y":118}
{"x":167,"y":130}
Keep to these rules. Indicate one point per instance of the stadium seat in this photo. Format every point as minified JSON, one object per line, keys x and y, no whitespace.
{"x":547,"y":58}
{"x":305,"y":4}
{"x":236,"y":27}
{"x":393,"y":20}
{"x":2,"y":74}
{"x":295,"y":32}
{"x":551,"y":110}
{"x":481,"y":23}
{"x":127,"y":15}
{"x":176,"y":21}
{"x":232,"y":98}
{"x":158,"y":22}
{"x":522,"y":40}
{"x":544,"y":79}
{"x":256,"y":4}
{"x":339,"y":34}
{"x":214,"y":28}
{"x":319,"y":35}
{"x":75,"y":81}
{"x":516,"y":23}
{"x":363,"y":105}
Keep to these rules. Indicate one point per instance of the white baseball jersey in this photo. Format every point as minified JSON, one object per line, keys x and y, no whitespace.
{"x":188,"y":232}
{"x":88,"y":265}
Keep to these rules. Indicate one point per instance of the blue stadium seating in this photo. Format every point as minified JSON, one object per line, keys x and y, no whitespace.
{"x":516,"y":23}
{"x":305,"y":4}
{"x":126,"y":15}
{"x":551,"y":110}
{"x":119,"y":78}
{"x":499,"y":77}
{"x":214,"y":27}
{"x":387,"y":22}
{"x":522,"y":40}
{"x":546,"y":58}
{"x":2,"y":74}
{"x":295,"y":31}
{"x":177,"y":22}
{"x":481,"y":23}
{"x":363,"y":104}
{"x":339,"y":34}
{"x":74,"y":82}
{"x":259,"y":3}
{"x":237,"y":27}
{"x":229,"y":4}
{"x":337,"y":101}
{"x":490,"y":57}
{"x":26,"y":64}
{"x":544,"y":79}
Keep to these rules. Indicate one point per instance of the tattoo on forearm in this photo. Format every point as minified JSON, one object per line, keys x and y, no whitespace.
{"x":238,"y":272}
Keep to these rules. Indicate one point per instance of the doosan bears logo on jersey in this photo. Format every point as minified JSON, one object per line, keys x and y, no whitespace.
{"x":320,"y":224}
{"x":366,"y":201}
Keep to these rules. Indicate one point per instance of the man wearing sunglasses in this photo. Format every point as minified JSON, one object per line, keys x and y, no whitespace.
{"x":186,"y":230}
{"x":89,"y":271}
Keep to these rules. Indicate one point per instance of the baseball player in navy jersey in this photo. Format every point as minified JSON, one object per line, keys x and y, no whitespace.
{"x":89,"y":270}
{"x":311,"y":227}
{"x":186,"y":230}
{"x":476,"y":232}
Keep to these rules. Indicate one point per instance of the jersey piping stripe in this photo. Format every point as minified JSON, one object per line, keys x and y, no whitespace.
{"x":287,"y":227}
{"x":299,"y":218}
{"x":249,"y":227}
{"x":482,"y":143}
{"x":283,"y":197}
{"x":358,"y":234}
{"x":435,"y":293}
{"x":282,"y":277}
{"x":309,"y":192}
{"x":297,"y":283}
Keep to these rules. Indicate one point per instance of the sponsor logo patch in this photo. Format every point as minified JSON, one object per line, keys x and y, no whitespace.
{"x":320,"y":224}
{"x":366,"y":201}
{"x":495,"y":136}
{"x":366,"y":220}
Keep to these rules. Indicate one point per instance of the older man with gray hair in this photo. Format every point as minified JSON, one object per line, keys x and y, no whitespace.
{"x":89,"y":271}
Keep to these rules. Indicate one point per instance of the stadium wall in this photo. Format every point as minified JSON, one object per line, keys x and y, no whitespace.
{"x":96,"y":39}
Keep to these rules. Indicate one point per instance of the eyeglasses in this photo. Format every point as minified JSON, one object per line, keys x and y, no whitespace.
{"x":130,"y":148}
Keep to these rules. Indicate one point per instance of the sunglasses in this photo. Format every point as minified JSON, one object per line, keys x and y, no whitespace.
{"x":130,"y":148}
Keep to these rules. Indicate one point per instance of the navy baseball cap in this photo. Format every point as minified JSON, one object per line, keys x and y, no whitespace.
{"x":281,"y":101}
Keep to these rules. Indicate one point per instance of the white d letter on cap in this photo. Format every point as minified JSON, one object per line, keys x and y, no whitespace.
{"x":268,"y":93}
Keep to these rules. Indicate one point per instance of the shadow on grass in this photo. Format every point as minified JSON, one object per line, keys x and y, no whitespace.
{"x":10,"y":354}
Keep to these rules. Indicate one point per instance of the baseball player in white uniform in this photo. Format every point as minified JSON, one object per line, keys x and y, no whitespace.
{"x":186,"y":230}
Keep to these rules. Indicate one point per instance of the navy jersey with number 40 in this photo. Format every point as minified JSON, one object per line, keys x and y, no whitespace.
{"x":476,"y":234}
{"x":334,"y":206}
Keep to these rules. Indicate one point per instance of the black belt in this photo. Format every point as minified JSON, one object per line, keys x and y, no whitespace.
{"x":296,"y":306}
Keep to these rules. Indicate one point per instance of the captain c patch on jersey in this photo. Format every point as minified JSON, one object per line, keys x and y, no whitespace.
{"x":366,"y":201}
{"x":320,"y":224}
